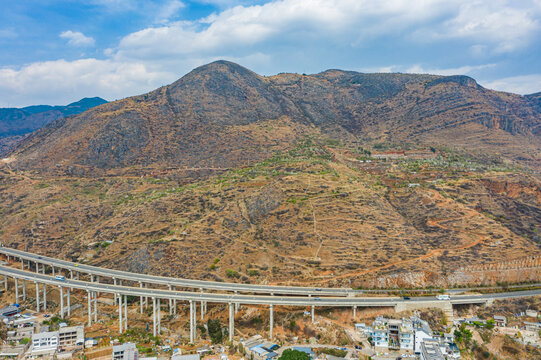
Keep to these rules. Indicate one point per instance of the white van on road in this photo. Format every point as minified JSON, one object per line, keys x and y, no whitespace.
{"x":443,"y":297}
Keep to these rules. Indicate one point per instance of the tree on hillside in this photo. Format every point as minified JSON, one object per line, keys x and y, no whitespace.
{"x":215,"y":330}
{"x":290,"y":354}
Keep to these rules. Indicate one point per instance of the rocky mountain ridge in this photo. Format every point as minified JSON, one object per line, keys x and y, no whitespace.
{"x":223,"y":115}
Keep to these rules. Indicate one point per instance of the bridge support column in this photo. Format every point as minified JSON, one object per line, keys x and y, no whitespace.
{"x":159,"y":316}
{"x":16,"y":290}
{"x":313,"y":313}
{"x":146,"y":298}
{"x":354,"y":311}
{"x":88,"y":296}
{"x":141,"y":298}
{"x":116,"y":295}
{"x":120,"y":305}
{"x":69,"y":301}
{"x":71,"y":274}
{"x":24,"y":282}
{"x":203,"y":304}
{"x":95,"y":295}
{"x":154,"y":316}
{"x":37,"y":297}
{"x":125,"y":312}
{"x":236,"y":304}
{"x":192,"y":325}
{"x":170,"y":302}
{"x":52,"y":267}
{"x":5,"y":282}
{"x":37,"y":290}
{"x":231,"y":322}
{"x":271,"y":323}
{"x":44,"y":296}
{"x":61,"y":302}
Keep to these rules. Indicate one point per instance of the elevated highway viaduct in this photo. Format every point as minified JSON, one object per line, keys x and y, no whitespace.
{"x":66,"y":284}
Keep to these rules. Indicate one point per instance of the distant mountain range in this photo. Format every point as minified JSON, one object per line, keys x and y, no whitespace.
{"x":218,"y":115}
{"x":17,"y":122}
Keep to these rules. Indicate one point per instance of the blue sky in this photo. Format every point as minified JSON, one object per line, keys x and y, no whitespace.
{"x":56,"y":52}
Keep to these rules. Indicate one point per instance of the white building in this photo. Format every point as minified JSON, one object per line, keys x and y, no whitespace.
{"x":394,"y":334}
{"x":127,"y":351}
{"x":380,"y":333}
{"x":45,"y":343}
{"x":186,"y":357}
{"x":406,"y":335}
{"x":430,"y":350}
{"x":70,"y":337}
{"x":420,"y":337}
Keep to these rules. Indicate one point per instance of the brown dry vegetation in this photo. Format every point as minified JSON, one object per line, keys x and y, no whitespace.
{"x":305,"y":217}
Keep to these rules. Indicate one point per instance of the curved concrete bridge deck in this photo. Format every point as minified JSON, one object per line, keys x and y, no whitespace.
{"x":120,"y":293}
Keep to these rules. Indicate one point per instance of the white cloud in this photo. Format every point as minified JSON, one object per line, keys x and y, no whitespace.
{"x":76,"y":38}
{"x":169,"y":10}
{"x":501,"y":24}
{"x":261,"y":36}
{"x":61,"y":81}
{"x":419,"y":69}
{"x":462,"y":70}
{"x":524,"y":84}
{"x":286,"y":20}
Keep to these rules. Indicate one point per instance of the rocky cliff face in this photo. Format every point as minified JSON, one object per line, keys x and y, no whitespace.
{"x":222,"y":115}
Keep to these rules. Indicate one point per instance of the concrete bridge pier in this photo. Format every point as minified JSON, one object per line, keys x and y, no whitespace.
{"x":37,"y":297}
{"x":192,"y":325}
{"x":116,"y":295}
{"x":313,"y":315}
{"x":141,"y":298}
{"x":125,"y":312}
{"x":16,"y":290}
{"x":120,"y":305}
{"x":95,"y":295}
{"x":236,"y":304}
{"x":203,"y":305}
{"x":44,"y":297}
{"x":154,"y":316}
{"x":354,"y":312}
{"x":271,"y":324}
{"x":68,"y":297}
{"x":159,"y":316}
{"x":24,"y":282}
{"x":61,"y":289}
{"x":231,"y":322}
{"x":88,"y":296}
{"x":170,"y":302}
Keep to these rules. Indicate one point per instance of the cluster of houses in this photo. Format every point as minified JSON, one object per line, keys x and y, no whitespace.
{"x":410,"y":336}
{"x":27,"y":336}
{"x":256,"y":348}
{"x":526,"y":333}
